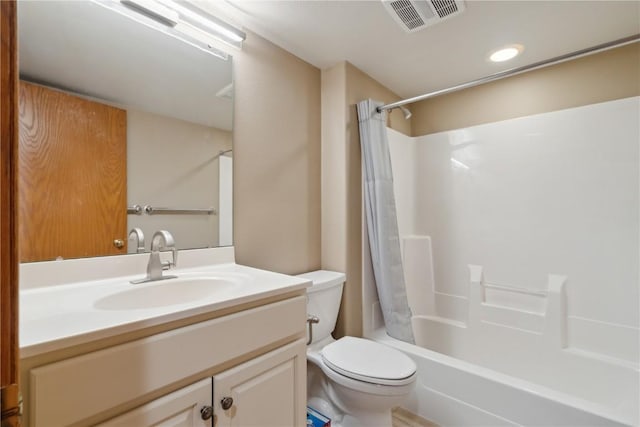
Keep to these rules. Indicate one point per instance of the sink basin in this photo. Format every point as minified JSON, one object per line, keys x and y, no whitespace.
{"x":163,"y":293}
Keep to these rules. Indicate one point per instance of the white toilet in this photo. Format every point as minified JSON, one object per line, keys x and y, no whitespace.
{"x":355,"y":382}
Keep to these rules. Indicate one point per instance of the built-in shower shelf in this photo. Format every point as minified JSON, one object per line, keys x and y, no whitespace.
{"x":606,"y":359}
{"x":447,"y":321}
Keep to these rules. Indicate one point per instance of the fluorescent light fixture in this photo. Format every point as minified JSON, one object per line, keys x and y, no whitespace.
{"x":198,"y":18}
{"x":506,"y":53}
{"x":153,"y":10}
{"x":180,"y":20}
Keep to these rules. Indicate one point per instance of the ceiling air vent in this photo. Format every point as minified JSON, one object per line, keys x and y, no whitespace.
{"x":415,"y":15}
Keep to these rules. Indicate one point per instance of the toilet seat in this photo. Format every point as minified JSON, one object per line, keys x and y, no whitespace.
{"x":369,"y":361}
{"x":360,"y":386}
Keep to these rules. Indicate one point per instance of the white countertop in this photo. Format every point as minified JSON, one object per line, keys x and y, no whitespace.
{"x":55,"y":317}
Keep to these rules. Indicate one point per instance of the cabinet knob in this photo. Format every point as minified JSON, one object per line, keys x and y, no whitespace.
{"x":118,"y":243}
{"x":226,"y":402}
{"x":206,"y":412}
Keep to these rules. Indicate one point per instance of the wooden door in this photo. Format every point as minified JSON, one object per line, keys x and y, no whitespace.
{"x":72,"y":180}
{"x":9,"y":393}
{"x":269,"y":391}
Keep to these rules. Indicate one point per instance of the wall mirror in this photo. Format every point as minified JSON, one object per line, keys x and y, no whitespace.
{"x":116,"y":116}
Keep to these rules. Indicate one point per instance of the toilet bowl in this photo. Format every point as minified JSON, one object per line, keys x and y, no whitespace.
{"x":354,"y":381}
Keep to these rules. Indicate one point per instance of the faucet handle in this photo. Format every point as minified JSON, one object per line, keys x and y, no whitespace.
{"x":162,"y":239}
{"x":174,"y":259}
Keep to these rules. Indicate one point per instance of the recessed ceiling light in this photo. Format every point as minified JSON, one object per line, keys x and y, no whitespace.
{"x":506,"y":53}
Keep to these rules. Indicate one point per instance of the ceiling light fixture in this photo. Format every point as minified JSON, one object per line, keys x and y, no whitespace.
{"x":197,"y":18}
{"x":506,"y":53}
{"x":153,"y":10}
{"x":180,"y":20}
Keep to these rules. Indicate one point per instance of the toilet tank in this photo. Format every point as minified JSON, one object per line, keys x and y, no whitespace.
{"x":323,"y":300}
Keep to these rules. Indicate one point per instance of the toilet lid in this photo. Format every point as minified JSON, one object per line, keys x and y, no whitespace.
{"x":369,"y":361}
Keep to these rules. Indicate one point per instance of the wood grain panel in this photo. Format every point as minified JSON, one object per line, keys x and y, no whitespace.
{"x":8,"y":218}
{"x":72,"y":175}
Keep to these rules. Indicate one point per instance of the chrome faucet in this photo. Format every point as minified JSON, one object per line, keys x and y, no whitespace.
{"x":136,"y":235}
{"x":162,"y":240}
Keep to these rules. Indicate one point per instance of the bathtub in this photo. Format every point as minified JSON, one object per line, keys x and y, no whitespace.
{"x":452,"y":392}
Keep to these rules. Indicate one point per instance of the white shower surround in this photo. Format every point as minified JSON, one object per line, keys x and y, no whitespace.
{"x":546,"y":209}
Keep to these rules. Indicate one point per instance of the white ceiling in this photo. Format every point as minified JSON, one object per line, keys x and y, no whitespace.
{"x":88,"y":49}
{"x":454,"y":51}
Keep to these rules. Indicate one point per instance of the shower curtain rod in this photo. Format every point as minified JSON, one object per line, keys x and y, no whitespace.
{"x":514,"y":71}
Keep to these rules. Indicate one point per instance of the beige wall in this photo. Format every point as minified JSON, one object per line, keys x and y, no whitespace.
{"x":276,"y":159}
{"x":342,"y":87}
{"x":597,"y":78}
{"x":174,"y":163}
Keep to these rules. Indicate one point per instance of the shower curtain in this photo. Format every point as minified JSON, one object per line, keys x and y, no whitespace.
{"x":382,"y":224}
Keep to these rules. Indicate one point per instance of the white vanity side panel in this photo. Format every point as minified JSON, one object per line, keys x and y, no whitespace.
{"x":178,"y":409}
{"x":69,"y":391}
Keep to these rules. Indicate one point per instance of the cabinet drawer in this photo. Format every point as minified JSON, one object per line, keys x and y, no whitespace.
{"x":72,"y":390}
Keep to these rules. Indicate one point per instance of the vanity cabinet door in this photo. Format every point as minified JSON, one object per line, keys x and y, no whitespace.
{"x":268,"y":391}
{"x":182,"y":408}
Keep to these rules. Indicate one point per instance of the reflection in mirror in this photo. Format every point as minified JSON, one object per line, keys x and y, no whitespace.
{"x":115,"y":114}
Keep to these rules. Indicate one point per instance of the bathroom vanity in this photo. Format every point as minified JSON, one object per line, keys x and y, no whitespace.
{"x":221,"y":345}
